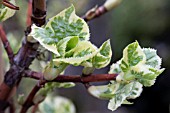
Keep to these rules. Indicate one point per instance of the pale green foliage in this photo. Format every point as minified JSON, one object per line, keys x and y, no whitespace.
{"x":6,"y":12}
{"x":138,"y":67}
{"x":67,"y":36}
{"x":57,"y":104}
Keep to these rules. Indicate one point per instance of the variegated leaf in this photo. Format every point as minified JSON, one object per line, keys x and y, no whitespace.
{"x":103,"y":57}
{"x":125,"y":91}
{"x":63,"y":25}
{"x":82,"y":52}
{"x":152,"y":58}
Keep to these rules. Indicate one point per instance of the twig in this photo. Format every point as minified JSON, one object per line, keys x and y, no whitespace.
{"x":61,"y":78}
{"x":11,"y":106}
{"x":29,"y":101}
{"x":1,"y":65}
{"x":73,"y":78}
{"x":29,"y":13}
{"x":94,"y":13}
{"x":6,"y":45}
{"x":99,"y":11}
{"x":10,"y":5}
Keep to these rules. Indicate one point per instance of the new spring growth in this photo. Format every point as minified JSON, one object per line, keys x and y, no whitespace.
{"x":110,"y":4}
{"x":138,"y":67}
{"x":52,"y":71}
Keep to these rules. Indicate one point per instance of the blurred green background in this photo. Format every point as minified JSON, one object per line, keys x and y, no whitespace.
{"x":147,"y":21}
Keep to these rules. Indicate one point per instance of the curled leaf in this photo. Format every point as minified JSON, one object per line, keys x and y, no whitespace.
{"x":82,"y":52}
{"x":103,"y":57}
{"x":51,"y":72}
{"x":66,"y":46}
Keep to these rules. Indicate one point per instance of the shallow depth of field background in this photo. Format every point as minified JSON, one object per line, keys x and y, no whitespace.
{"x":147,"y":21}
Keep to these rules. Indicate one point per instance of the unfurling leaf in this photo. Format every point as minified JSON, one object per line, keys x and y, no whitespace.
{"x":103,"y":57}
{"x":83,"y":52}
{"x":51,"y":72}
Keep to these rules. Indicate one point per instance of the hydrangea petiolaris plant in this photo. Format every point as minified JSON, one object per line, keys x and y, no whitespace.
{"x":66,"y":36}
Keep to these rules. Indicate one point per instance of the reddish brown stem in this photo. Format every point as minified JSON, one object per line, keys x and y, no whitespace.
{"x":29,"y":13}
{"x":10,"y":5}
{"x":6,"y":44}
{"x":73,"y":78}
{"x":1,"y":65}
{"x":11,"y":106}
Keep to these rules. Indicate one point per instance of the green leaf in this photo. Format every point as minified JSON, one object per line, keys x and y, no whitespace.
{"x":152,"y":59}
{"x":65,"y":24}
{"x":97,"y":91}
{"x":40,"y":35}
{"x":115,"y":68}
{"x":125,"y":91}
{"x":148,"y":78}
{"x":103,"y":57}
{"x":138,"y":67}
{"x":6,"y":12}
{"x":66,"y":45}
{"x":132,"y":55}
